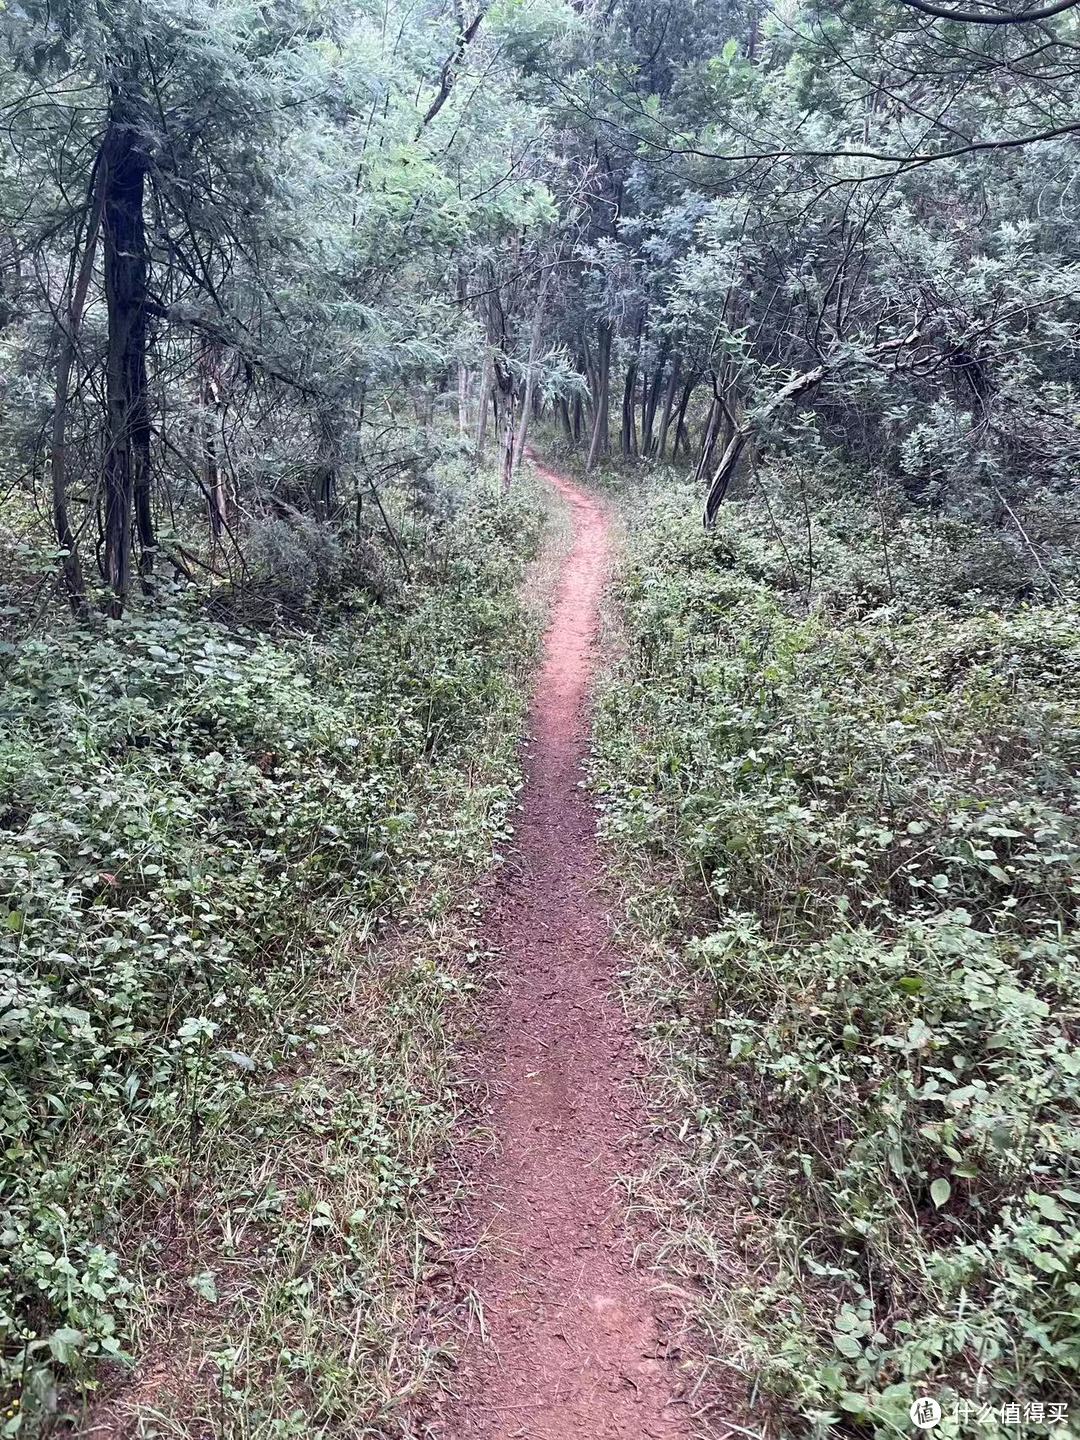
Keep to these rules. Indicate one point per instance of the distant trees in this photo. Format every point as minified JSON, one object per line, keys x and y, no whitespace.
{"x":860,"y":217}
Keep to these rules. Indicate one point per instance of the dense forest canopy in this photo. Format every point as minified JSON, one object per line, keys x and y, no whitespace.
{"x":261,"y":261}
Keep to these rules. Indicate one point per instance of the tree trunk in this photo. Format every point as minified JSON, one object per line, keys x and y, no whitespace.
{"x":127,"y":451}
{"x":483,"y":406}
{"x":669,"y":406}
{"x":680,"y":427}
{"x":78,"y":285}
{"x":649,"y":406}
{"x":504,"y":413}
{"x":210,"y":398}
{"x":463,"y":369}
{"x":463,"y":400}
{"x":527,"y":404}
{"x":708,"y":444}
{"x":578,"y":421}
{"x":600,"y":443}
{"x":326,"y":499}
{"x":743,"y":431}
{"x":629,"y":428}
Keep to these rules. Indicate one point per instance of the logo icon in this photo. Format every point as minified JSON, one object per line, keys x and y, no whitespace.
{"x":925,"y":1412}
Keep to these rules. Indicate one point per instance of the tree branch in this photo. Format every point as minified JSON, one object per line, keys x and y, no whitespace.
{"x":983,"y":17}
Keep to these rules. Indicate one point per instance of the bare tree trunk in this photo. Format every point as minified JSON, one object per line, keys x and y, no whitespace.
{"x":329,"y":463}
{"x":743,"y":430}
{"x":708,"y":444}
{"x":463,"y":369}
{"x":669,"y":406}
{"x":535,"y":333}
{"x":506,"y":448}
{"x":600,"y":443}
{"x":210,"y":398}
{"x":127,"y":453}
{"x":483,"y":406}
{"x":452,"y":64}
{"x":629,"y":426}
{"x":680,"y":427}
{"x":649,"y":406}
{"x":463,"y":400}
{"x":78,"y":285}
{"x":504,"y":412}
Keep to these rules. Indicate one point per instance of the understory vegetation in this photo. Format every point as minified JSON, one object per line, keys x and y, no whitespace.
{"x":838,"y":760}
{"x":225,"y":1085}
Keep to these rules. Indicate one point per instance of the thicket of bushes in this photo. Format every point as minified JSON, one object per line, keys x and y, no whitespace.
{"x":199,"y":824}
{"x":863,"y":781}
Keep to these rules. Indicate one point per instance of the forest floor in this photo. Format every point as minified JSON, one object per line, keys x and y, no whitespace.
{"x":564,"y":1340}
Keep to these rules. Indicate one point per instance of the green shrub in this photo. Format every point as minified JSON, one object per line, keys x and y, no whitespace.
{"x":870,"y":815}
{"x":194,"y":819}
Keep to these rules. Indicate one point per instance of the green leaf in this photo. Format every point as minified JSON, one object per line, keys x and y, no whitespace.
{"x":940,"y":1191}
{"x":64,"y":1343}
{"x":1048,"y":1206}
{"x":852,"y":1403}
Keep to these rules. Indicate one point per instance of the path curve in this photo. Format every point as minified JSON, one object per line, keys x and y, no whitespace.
{"x":568,"y":1348}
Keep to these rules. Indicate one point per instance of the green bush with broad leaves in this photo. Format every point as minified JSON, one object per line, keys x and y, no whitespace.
{"x":194,"y":817}
{"x":866,"y":803}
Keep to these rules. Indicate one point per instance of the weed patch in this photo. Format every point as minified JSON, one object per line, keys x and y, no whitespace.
{"x":849,"y":829}
{"x":221,"y":1096}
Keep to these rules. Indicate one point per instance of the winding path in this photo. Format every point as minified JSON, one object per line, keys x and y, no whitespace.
{"x":568,"y":1348}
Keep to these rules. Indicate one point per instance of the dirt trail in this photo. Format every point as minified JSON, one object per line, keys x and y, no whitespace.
{"x":568,"y":1348}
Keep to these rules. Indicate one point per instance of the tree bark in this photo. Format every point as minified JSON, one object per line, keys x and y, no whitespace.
{"x":503,"y":391}
{"x":669,"y":406}
{"x":79,"y":284}
{"x":535,"y":333}
{"x":742,"y":430}
{"x":127,"y":452}
{"x":463,"y":400}
{"x":680,"y":426}
{"x":629,"y":426}
{"x":210,"y":399}
{"x":649,"y":405}
{"x":451,"y":65}
{"x":628,"y":438}
{"x":600,"y":443}
{"x":483,"y":406}
{"x":708,"y":444}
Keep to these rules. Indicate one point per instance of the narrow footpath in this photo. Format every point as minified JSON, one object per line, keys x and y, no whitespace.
{"x":564,"y":1345}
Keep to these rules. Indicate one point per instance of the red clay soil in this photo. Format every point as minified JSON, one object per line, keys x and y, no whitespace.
{"x":568,"y":1348}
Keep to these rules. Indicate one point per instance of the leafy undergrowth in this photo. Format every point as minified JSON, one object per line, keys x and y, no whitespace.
{"x":225,"y":1080}
{"x":847,"y":823}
